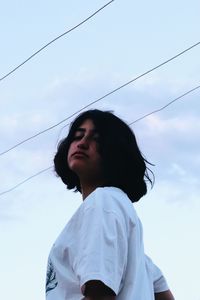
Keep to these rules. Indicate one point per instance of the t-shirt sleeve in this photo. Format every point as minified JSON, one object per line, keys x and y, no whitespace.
{"x":101,"y":247}
{"x":159,"y":281}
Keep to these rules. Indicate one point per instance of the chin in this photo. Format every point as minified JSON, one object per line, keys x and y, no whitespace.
{"x":77,"y":167}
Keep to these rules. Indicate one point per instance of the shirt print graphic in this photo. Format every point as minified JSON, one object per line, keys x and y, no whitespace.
{"x":51,"y":281}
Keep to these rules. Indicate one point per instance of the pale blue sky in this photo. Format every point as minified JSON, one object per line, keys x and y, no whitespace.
{"x":121,"y":42}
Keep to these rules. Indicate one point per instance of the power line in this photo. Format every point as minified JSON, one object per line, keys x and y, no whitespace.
{"x":55,"y":39}
{"x":22,"y":182}
{"x":99,"y":99}
{"x":165,"y":106}
{"x":137,"y":120}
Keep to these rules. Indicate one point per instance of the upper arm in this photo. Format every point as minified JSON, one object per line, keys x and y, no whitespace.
{"x":166,"y":295}
{"x":101,"y":253}
{"x":97,"y":290}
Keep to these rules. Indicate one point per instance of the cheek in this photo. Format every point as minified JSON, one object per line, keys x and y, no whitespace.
{"x":68,"y":158}
{"x":70,"y":151}
{"x":97,"y":158}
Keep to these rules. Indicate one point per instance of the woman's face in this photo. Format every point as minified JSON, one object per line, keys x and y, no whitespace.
{"x":83,"y":156}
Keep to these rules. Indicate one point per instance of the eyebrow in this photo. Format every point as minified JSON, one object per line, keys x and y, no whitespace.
{"x":81,"y":129}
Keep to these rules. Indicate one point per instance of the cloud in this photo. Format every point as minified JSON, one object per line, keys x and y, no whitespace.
{"x":183,"y":190}
{"x":172,"y":144}
{"x":168,"y":139}
{"x":181,"y":125}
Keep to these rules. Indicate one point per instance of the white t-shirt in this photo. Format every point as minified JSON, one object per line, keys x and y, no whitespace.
{"x":156,"y":276}
{"x":103,"y":241}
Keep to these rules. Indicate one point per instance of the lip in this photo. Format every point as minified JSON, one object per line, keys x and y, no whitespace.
{"x":80,"y":153}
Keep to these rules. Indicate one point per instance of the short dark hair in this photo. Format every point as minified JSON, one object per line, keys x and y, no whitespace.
{"x":123,"y":164}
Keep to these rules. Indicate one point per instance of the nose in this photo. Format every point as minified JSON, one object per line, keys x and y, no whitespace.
{"x":83,"y":143}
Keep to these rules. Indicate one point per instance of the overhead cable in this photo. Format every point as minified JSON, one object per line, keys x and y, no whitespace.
{"x":137,"y":120}
{"x":99,"y":99}
{"x":165,"y":106}
{"x":55,"y":39}
{"x":22,"y":182}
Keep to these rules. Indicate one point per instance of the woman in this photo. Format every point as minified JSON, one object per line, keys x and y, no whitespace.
{"x":100,"y":255}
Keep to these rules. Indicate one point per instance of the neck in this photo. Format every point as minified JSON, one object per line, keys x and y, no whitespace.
{"x":87,"y":189}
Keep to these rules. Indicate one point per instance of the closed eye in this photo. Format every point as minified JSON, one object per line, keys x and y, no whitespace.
{"x":77,"y":137}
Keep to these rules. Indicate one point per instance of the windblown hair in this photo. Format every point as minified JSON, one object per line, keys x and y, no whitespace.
{"x":123,"y":164}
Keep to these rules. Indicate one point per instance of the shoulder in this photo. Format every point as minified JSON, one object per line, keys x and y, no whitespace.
{"x":107,"y":197}
{"x":111,"y":200}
